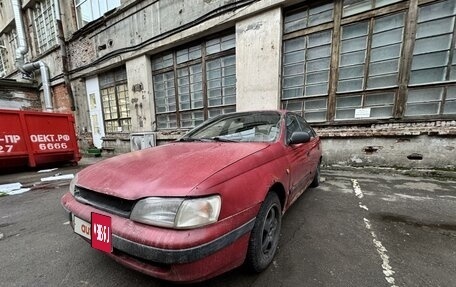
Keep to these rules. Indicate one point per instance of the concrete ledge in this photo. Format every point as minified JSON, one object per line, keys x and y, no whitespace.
{"x":415,"y":172}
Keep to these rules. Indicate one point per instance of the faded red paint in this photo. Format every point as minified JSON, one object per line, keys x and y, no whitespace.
{"x":241,"y":173}
{"x":36,"y":138}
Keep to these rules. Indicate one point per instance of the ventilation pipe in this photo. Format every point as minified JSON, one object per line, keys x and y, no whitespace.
{"x":22,"y":49}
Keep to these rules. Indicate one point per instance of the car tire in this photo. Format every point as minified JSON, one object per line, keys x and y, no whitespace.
{"x":316,"y":180}
{"x":265,"y":234}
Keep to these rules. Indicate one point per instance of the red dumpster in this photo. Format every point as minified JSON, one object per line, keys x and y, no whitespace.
{"x":36,"y":138}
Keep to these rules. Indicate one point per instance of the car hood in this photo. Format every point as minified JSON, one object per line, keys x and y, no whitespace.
{"x":170,"y":170}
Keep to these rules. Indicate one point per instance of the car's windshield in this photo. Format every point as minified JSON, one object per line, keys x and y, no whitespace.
{"x":240,"y":127}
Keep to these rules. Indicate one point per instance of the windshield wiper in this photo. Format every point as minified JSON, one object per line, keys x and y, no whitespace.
{"x":189,"y":139}
{"x":222,"y":139}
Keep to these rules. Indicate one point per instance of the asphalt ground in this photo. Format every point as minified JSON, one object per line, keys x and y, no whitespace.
{"x":356,"y":229}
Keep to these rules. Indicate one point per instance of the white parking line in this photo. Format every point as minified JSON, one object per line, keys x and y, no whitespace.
{"x":381,"y":250}
{"x":357,"y":189}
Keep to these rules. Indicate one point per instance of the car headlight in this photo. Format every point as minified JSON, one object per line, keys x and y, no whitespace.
{"x":73,"y":184}
{"x":178,"y":213}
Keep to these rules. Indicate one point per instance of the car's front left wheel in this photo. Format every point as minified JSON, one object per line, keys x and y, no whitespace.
{"x":265,"y":234}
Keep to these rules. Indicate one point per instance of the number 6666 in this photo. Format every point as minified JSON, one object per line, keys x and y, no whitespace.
{"x":51,"y":146}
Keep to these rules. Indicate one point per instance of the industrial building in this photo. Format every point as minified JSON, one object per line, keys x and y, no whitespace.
{"x":376,"y":78}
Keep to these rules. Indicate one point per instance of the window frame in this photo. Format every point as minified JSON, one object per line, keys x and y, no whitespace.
{"x":410,"y":9}
{"x":115,"y":84}
{"x":202,"y":60}
{"x":49,"y":40}
{"x":306,"y":32}
{"x":92,"y":18}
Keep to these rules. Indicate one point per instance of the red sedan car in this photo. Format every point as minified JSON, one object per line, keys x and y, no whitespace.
{"x":207,"y":203}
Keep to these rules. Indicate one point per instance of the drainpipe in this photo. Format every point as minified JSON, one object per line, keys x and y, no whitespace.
{"x":22,"y":49}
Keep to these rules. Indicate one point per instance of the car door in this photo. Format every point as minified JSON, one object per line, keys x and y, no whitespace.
{"x":314,"y":151}
{"x":298,"y":159}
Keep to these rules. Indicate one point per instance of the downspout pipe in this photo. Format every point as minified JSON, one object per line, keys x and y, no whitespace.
{"x":22,"y":49}
{"x":45,"y":79}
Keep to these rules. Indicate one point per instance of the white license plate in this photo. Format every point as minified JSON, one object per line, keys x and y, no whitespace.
{"x":82,"y":227}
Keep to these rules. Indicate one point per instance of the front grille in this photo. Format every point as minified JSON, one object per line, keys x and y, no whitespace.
{"x":108,"y":203}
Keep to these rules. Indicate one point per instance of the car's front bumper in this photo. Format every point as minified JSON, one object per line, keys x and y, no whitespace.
{"x":175,"y":255}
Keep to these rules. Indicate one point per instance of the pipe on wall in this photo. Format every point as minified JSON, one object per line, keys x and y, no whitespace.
{"x":22,"y":49}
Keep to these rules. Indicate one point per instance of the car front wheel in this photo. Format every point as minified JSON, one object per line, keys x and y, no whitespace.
{"x":264,"y":238}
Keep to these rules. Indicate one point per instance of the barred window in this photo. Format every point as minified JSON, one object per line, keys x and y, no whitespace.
{"x":195,"y":83}
{"x":44,"y":19}
{"x":115,"y":100}
{"x":434,"y":62}
{"x":89,"y":10}
{"x":352,"y":7}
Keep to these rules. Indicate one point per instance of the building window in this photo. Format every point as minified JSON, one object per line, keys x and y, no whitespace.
{"x":306,"y":62}
{"x":89,"y":10}
{"x":434,"y":61}
{"x":44,"y":19}
{"x":376,"y":105}
{"x":195,"y":83}
{"x":115,"y":101}
{"x":431,"y":101}
{"x":369,"y":59}
{"x":352,"y":7}
{"x":308,"y":18}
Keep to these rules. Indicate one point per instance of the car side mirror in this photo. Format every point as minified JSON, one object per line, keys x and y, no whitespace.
{"x":299,"y":138}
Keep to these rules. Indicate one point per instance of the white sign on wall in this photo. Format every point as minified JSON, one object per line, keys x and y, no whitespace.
{"x":362,"y":113}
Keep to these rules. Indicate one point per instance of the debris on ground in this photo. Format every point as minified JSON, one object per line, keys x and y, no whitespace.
{"x":58,"y":176}
{"x":10,"y":186}
{"x":12,"y":189}
{"x":48,"y":170}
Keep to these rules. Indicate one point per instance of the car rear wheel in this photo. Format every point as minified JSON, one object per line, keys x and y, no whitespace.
{"x":316,"y":180}
{"x":264,"y":238}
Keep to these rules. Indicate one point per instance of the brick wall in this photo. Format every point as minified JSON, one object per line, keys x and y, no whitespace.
{"x":61,"y":100}
{"x":14,"y":95}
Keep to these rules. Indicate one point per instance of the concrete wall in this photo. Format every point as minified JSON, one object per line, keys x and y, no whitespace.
{"x":6,"y":15}
{"x":258,"y":54}
{"x":406,"y":145}
{"x":141,"y":95}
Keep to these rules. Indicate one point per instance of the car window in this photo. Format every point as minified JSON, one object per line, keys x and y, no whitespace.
{"x":292,"y":126}
{"x":305,"y":127}
{"x":244,"y":127}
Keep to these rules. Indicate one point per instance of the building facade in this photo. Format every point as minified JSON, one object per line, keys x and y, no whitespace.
{"x":376,"y":78}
